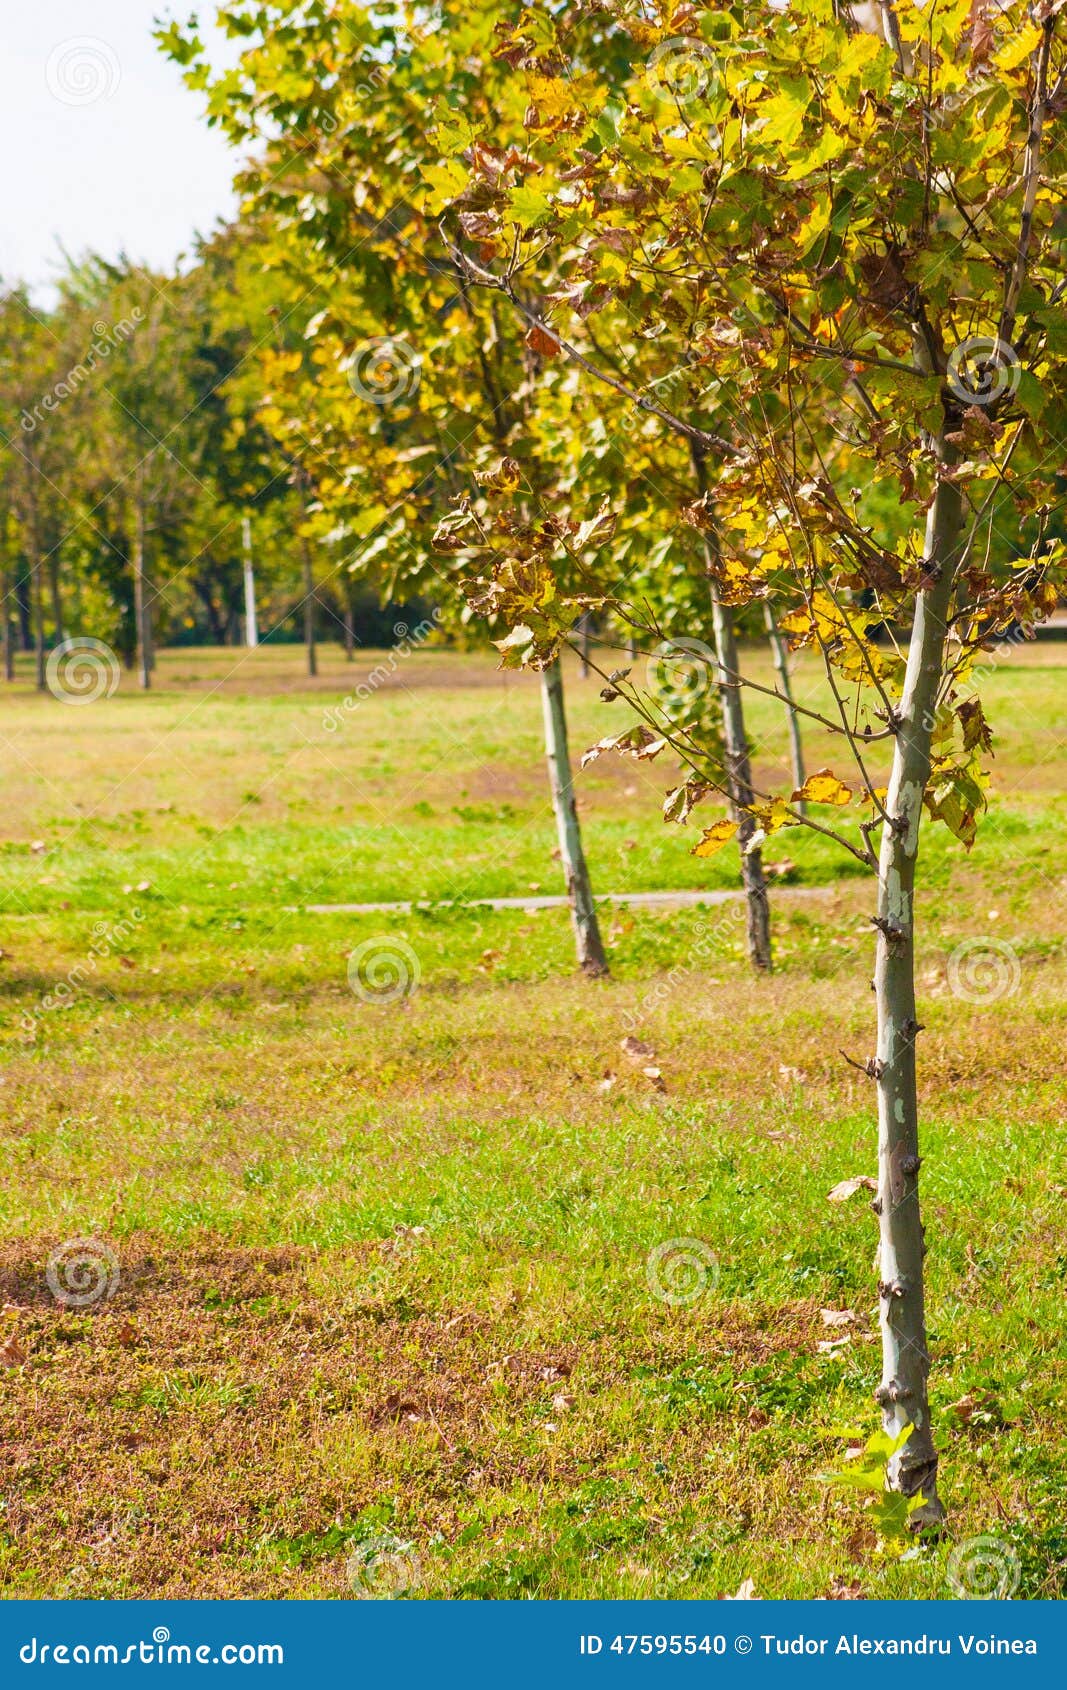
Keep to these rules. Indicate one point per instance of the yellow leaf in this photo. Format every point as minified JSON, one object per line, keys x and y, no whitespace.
{"x":714,"y":838}
{"x":823,"y":788}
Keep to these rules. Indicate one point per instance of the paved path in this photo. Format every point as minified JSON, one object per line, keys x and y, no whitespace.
{"x":540,"y":901}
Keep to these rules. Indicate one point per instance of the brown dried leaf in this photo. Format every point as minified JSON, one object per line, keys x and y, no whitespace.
{"x":847,"y":1188}
{"x":636,"y":1049}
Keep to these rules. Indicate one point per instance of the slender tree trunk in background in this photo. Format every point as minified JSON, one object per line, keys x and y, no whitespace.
{"x":309,"y":608}
{"x":22,"y":600}
{"x":591,"y":955}
{"x":144,"y":665}
{"x":251,"y":625}
{"x":584,"y":634}
{"x":632,"y":645}
{"x":9,"y":647}
{"x":902,"y":1393}
{"x":738,"y":764}
{"x":349,"y":628}
{"x":57,"y":597}
{"x":785,"y":687}
{"x":739,"y":776}
{"x":38,"y":620}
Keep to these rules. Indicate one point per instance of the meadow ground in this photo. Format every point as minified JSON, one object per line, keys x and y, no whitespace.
{"x":383,"y":1315}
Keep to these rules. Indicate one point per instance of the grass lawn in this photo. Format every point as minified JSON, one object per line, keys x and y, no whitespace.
{"x":382,"y":1312}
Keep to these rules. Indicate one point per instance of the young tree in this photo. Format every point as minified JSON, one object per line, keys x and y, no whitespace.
{"x":336,"y":212}
{"x":863,"y":234}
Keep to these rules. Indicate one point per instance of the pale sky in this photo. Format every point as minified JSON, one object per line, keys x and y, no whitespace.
{"x":104,"y":147}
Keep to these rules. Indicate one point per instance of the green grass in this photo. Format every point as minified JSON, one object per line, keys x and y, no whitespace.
{"x":384,"y":1311}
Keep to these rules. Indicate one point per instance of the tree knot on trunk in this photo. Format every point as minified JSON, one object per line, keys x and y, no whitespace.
{"x":912,"y":1028}
{"x":892,"y":1391}
{"x":910,"y":1164}
{"x":873,"y":1067}
{"x":892,"y":933}
{"x":891,"y":1288}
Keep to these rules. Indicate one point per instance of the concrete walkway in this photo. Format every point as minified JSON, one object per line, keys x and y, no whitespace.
{"x":540,"y":901}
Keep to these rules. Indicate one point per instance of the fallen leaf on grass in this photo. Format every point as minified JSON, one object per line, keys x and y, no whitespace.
{"x":12,"y":1353}
{"x":745,"y":1592}
{"x":840,"y":1591}
{"x":977,"y":1408}
{"x":837,"y":1317}
{"x":636,"y":1049}
{"x":654,"y":1075}
{"x":847,"y":1188}
{"x":784,"y":869}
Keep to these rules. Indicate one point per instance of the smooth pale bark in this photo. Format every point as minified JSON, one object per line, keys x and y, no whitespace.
{"x":251,"y":629}
{"x":140,"y":607}
{"x":590,"y":946}
{"x":785,"y":687}
{"x":902,"y":1393}
{"x":739,"y":779}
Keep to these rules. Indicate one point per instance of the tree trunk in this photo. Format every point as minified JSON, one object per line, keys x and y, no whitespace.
{"x":309,"y":608}
{"x":37,"y":599}
{"x":349,"y":630}
{"x":22,"y":601}
{"x":251,"y":626}
{"x":739,"y":777}
{"x":57,"y":595}
{"x":902,"y":1393}
{"x":583,"y":910}
{"x":738,"y":764}
{"x":9,"y":650}
{"x":785,"y":687}
{"x":584,"y":634}
{"x":144,"y":662}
